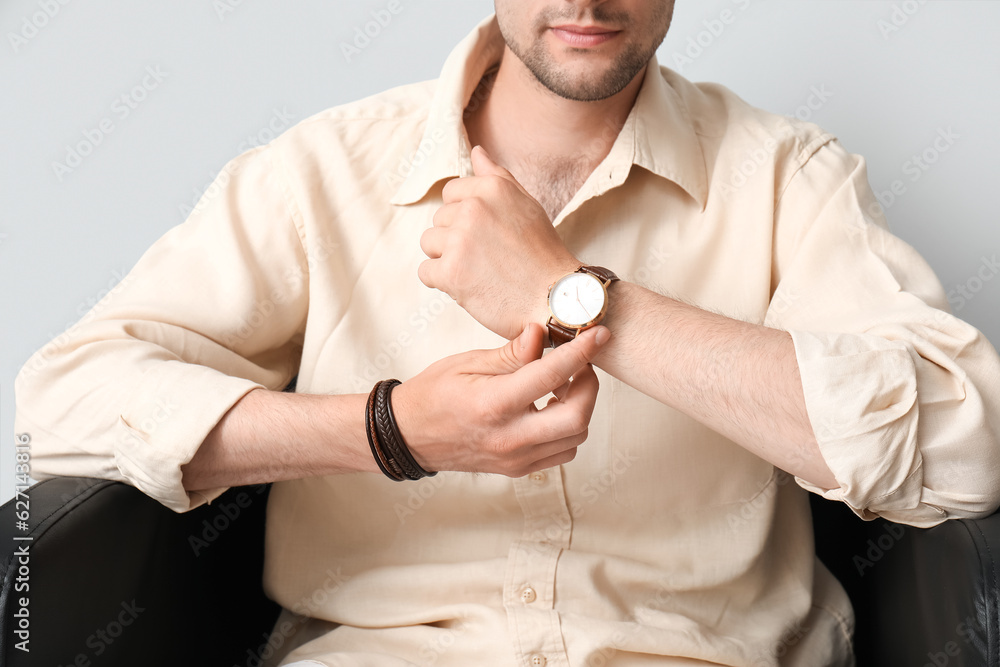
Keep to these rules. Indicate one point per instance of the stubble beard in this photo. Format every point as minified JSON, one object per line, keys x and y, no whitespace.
{"x":585,"y":89}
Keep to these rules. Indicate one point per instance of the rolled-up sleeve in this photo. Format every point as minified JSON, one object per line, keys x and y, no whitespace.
{"x":213,"y":310}
{"x":903,"y":397}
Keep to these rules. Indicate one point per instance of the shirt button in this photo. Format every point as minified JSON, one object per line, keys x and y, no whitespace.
{"x":538,"y":659}
{"x":538,"y":477}
{"x":528,"y":596}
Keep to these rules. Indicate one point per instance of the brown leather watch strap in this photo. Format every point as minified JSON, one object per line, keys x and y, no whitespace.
{"x":559,"y":334}
{"x":606,"y":276}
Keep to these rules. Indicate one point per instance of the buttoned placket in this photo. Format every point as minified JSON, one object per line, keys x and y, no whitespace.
{"x":529,"y":585}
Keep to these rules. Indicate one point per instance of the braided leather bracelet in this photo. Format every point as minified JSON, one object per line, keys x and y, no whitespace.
{"x":385,"y":464}
{"x":388,"y":447}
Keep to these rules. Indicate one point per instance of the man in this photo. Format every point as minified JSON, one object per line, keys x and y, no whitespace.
{"x":781,"y":328}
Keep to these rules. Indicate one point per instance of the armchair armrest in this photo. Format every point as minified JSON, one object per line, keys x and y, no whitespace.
{"x":939,"y":589}
{"x":113,"y":577}
{"x":921,"y":596}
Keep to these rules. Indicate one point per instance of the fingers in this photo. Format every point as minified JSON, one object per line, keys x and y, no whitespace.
{"x":449,"y":211}
{"x":519,"y":352}
{"x":530,"y":344}
{"x":428,"y":271}
{"x":556,"y":368}
{"x":483,"y":165}
{"x":560,"y":427}
{"x":432,"y":242}
{"x":550,"y":455}
{"x":484,"y":169}
{"x":568,"y":417}
{"x":559,"y":393}
{"x":497,"y":430}
{"x":564,"y":456}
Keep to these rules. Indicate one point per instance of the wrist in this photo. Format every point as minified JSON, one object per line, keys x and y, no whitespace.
{"x":337,"y":436}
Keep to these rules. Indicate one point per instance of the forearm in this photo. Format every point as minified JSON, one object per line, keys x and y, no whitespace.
{"x":738,"y":378}
{"x":272,"y":436}
{"x":472,"y":412}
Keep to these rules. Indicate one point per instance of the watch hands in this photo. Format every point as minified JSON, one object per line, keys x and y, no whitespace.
{"x":582,"y":307}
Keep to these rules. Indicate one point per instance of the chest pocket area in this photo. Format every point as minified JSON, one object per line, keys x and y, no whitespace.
{"x":672,"y":463}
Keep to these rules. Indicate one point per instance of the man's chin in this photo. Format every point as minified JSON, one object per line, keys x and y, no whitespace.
{"x":583,"y":87}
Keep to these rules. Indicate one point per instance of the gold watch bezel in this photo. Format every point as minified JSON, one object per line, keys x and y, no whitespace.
{"x":596,"y":319}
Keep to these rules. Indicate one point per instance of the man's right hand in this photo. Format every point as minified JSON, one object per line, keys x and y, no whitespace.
{"x":473,"y":411}
{"x":476,"y":411}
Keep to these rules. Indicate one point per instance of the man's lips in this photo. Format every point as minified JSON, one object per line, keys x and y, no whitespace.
{"x":583,"y":36}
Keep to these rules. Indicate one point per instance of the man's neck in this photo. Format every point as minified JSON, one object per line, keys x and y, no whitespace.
{"x":549,"y":143}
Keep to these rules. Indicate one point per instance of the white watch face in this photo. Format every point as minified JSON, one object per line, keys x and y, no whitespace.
{"x":577,"y":299}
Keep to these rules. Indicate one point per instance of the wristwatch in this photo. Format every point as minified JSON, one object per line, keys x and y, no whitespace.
{"x":578,"y":301}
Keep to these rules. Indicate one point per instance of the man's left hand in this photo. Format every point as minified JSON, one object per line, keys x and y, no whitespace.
{"x":494,"y":250}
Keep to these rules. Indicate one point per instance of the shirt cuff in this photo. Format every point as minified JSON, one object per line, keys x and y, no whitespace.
{"x":171,"y":412}
{"x":861,"y":396}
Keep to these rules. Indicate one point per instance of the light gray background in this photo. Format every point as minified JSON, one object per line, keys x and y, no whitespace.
{"x":235,"y":67}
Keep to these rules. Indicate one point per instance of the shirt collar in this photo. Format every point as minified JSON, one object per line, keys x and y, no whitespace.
{"x":664,"y":139}
{"x":658,"y":135}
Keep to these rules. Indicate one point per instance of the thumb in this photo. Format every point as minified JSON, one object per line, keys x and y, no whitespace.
{"x":483,"y":165}
{"x":520,"y":351}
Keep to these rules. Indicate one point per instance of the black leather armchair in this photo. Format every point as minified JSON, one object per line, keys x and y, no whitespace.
{"x":114,"y":578}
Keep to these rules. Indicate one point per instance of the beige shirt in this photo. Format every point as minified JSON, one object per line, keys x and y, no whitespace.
{"x":662,"y":538}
